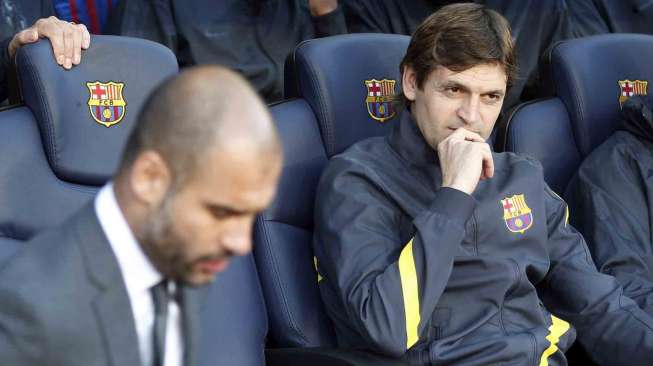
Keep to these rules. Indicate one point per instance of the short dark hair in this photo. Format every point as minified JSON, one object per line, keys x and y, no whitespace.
{"x":459,"y":37}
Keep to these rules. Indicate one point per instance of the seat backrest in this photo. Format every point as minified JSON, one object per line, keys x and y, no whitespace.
{"x":350,"y":82}
{"x":346,"y":85}
{"x":54,"y":151}
{"x":283,"y":235}
{"x":592,"y":77}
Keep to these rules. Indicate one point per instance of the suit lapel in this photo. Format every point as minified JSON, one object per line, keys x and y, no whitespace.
{"x":112,"y":304}
{"x":191,"y":300}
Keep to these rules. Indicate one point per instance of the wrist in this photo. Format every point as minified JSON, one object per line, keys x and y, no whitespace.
{"x":459,"y":187}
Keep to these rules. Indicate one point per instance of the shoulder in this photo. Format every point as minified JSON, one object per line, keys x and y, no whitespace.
{"x":509,"y":162}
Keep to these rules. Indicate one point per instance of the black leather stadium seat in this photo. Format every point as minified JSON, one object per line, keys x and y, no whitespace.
{"x":590,"y":75}
{"x":54,"y":156}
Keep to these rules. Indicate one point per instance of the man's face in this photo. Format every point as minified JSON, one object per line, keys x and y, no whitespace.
{"x":449,"y":100}
{"x":196,"y":229}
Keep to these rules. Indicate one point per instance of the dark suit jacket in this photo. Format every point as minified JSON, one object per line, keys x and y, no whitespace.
{"x":63,"y":301}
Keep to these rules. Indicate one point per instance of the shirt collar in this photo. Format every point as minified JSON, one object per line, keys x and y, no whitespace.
{"x":137,"y":270}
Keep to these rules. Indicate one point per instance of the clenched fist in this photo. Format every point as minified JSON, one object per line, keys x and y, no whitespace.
{"x":465,"y":158}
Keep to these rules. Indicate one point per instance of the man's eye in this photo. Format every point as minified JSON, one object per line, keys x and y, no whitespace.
{"x":453,"y":89}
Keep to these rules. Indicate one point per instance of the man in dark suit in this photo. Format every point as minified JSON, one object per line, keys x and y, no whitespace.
{"x":119,"y":282}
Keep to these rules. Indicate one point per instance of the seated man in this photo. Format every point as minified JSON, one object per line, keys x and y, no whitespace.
{"x":434,"y":248}
{"x":610,"y":200}
{"x":253,"y":37}
{"x":100,"y":289}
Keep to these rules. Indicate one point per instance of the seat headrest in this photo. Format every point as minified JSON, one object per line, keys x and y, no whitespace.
{"x":85,"y":114}
{"x":594,"y":75}
{"x":350,"y":82}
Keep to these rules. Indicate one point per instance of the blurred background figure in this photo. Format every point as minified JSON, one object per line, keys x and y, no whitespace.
{"x":251,"y":36}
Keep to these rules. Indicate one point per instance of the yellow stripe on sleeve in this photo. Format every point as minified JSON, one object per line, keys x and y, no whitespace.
{"x":566,"y":207}
{"x":556,"y":330}
{"x":319,"y":276}
{"x":409,"y":288}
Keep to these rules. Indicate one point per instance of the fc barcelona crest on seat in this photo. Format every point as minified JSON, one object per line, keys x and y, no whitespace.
{"x":517,"y":214}
{"x":631,"y":88}
{"x":380,"y":95}
{"x":105,"y":102}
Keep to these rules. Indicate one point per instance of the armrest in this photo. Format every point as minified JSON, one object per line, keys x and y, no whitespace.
{"x":327,"y":357}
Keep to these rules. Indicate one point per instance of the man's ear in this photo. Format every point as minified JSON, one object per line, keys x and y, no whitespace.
{"x":150,"y":178}
{"x":409,"y":83}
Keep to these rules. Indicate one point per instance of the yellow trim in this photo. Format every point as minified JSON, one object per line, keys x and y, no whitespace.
{"x":556,"y":330}
{"x":319,"y":276}
{"x":566,"y":206}
{"x":409,"y":288}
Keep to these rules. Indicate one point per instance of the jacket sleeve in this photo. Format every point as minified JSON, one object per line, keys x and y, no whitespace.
{"x":330,"y":24}
{"x":365,"y":17}
{"x":612,"y":213}
{"x":611,"y":327}
{"x":387,"y":272}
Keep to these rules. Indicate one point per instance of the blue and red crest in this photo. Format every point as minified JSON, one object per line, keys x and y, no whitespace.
{"x":630,"y":88}
{"x":105,"y":102}
{"x":517,"y":214}
{"x":380,"y":95}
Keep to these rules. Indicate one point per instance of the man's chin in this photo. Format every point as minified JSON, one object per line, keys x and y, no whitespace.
{"x":198,"y":279}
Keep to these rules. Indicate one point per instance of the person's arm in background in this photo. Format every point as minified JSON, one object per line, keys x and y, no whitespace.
{"x":328,"y":17}
{"x":67,"y":42}
{"x":611,"y":327}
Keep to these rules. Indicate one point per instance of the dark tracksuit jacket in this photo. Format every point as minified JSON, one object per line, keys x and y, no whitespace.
{"x":611,"y":200}
{"x":440,"y":277}
{"x":253,"y":37}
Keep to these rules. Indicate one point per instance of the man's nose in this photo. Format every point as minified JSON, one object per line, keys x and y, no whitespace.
{"x":238,"y":240}
{"x":469,"y":110}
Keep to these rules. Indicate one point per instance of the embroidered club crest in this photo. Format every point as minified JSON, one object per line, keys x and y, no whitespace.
{"x":517,"y":214}
{"x":380,"y":95}
{"x":631,"y":88}
{"x":105,"y":102}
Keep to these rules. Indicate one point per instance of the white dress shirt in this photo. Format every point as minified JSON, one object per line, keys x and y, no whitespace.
{"x":139,"y":275}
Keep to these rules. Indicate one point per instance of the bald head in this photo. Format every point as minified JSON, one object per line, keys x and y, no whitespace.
{"x":201,"y":109}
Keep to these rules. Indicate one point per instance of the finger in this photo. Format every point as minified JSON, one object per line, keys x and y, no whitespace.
{"x":26,"y":36}
{"x":488,"y":163}
{"x":465,"y":134}
{"x":68,"y":42}
{"x":86,"y":37}
{"x":49,"y":29}
{"x":77,"y":45}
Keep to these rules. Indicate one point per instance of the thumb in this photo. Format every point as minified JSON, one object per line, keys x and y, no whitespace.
{"x":28,"y":36}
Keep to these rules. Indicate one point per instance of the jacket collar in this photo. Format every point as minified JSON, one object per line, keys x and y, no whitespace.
{"x":407,"y":140}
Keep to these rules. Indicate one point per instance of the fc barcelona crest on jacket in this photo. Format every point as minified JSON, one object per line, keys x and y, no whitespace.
{"x":517,"y":214}
{"x":380,"y":94}
{"x":105,"y":102}
{"x":631,"y":88}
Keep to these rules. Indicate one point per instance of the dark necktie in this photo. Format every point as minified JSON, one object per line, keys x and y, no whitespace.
{"x":161,"y":298}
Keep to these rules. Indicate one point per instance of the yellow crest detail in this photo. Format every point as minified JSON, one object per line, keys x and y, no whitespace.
{"x":105,"y":102}
{"x":380,"y":95}
{"x":517,"y":214}
{"x":630,"y":88}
